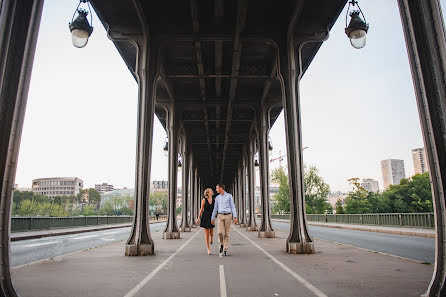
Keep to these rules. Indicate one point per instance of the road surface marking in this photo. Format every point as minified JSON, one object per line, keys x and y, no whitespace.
{"x":312,"y":288}
{"x":222,"y":281}
{"x":107,"y":238}
{"x":86,"y":236}
{"x":108,"y":233}
{"x":37,"y":244}
{"x":142,"y":283}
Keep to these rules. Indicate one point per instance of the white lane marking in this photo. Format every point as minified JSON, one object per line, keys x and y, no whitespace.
{"x":222,"y":281}
{"x":312,"y":288}
{"x":142,"y":283}
{"x":38,"y":244}
{"x":86,"y":236}
{"x":107,"y":238}
{"x":108,"y":233}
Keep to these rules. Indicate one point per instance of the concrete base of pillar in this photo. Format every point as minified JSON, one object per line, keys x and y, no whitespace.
{"x":194,"y":226}
{"x":267,"y":234}
{"x":185,"y":229}
{"x":242,"y":225}
{"x":171,"y":235}
{"x":300,"y":248}
{"x":139,"y":250}
{"x":255,"y":228}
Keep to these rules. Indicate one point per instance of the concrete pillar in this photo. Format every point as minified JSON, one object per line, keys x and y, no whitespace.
{"x":19,"y":27}
{"x":426,"y":46}
{"x":185,"y":227}
{"x":265,"y":229}
{"x":140,"y":242}
{"x":251,"y":224}
{"x":171,"y":231}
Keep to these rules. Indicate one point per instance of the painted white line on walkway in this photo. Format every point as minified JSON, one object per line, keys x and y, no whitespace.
{"x":222,"y":281}
{"x":38,"y":244}
{"x":86,"y":236}
{"x":309,"y":286}
{"x":142,"y":283}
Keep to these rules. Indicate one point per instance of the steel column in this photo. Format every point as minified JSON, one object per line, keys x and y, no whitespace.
{"x":19,"y":27}
{"x":185,"y":227}
{"x":425,"y":41}
{"x":171,"y":231}
{"x":242,"y":212}
{"x":251,"y":223}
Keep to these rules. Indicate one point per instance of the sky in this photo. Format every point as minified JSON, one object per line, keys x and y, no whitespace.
{"x":358,"y":106}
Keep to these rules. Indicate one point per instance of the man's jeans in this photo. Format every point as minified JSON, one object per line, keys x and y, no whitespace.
{"x":224,"y":226}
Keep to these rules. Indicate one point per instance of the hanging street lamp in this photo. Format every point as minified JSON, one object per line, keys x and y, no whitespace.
{"x":166,"y":147}
{"x":270,"y":145}
{"x":80,"y":28}
{"x":357,"y":28}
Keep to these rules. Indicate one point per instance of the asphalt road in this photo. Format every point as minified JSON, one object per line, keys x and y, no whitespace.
{"x":412,"y":247}
{"x":27,"y":251}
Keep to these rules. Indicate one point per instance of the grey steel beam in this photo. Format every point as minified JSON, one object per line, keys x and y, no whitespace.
{"x":219,"y":76}
{"x":19,"y":27}
{"x":200,"y":67}
{"x":171,"y":231}
{"x":426,"y":46}
{"x":241,"y":19}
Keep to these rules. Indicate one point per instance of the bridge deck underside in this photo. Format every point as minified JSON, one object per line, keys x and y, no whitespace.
{"x":218,"y":62}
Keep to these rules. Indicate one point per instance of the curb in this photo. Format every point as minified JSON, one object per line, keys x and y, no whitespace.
{"x":34,"y":236}
{"x":370,"y":229}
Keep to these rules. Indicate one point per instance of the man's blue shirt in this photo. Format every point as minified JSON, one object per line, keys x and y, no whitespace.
{"x":224,"y":203}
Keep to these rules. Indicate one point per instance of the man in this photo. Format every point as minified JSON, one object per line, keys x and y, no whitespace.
{"x":225,"y":208}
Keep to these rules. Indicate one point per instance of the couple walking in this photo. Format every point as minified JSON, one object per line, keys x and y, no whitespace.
{"x":221,"y":207}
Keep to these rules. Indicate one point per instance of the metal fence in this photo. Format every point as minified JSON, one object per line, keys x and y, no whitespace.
{"x":19,"y":224}
{"x":420,"y":220}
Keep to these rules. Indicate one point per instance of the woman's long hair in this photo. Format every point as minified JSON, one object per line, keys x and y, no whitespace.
{"x":206,"y":193}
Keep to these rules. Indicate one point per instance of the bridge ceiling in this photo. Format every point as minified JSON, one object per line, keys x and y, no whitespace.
{"x":218,"y":64}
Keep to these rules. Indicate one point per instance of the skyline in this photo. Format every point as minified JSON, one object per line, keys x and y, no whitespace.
{"x":81,"y":113}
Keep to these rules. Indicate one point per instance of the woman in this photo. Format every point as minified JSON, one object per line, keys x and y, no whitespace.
{"x":204,"y":218}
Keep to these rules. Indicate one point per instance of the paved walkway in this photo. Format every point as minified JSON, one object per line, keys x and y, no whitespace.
{"x":255,"y":267}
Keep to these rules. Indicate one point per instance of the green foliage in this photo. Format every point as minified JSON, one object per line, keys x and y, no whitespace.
{"x":316,"y":192}
{"x":34,"y":208}
{"x":159,"y":200}
{"x":91,"y":195}
{"x":339,"y":207}
{"x":88,"y":210}
{"x":411,"y":195}
{"x":117,"y":205}
{"x":282,"y":198}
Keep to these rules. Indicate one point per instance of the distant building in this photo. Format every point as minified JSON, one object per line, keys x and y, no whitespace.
{"x":419,"y":160}
{"x":393,"y":172}
{"x":103,"y":188}
{"x":335,"y":196}
{"x":370,"y":185}
{"x":160,"y":185}
{"x":117,"y":193}
{"x":57,"y":186}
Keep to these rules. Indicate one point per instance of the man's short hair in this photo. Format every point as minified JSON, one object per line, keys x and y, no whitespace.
{"x":221,"y":186}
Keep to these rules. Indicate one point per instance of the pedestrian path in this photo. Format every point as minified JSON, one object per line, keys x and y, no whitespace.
{"x":255,"y":267}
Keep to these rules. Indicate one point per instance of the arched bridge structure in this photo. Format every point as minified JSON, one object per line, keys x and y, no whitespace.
{"x":217,"y":74}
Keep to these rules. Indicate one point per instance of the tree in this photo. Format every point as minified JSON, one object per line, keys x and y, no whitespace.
{"x":316,"y":192}
{"x":339,"y":208}
{"x":159,"y":201}
{"x":88,"y":210}
{"x":282,"y":198}
{"x":356,"y":201}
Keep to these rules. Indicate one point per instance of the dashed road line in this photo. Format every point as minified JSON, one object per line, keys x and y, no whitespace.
{"x":222,"y":281}
{"x":39,"y":244}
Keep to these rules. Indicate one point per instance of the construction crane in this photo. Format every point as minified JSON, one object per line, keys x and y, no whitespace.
{"x":280,"y":157}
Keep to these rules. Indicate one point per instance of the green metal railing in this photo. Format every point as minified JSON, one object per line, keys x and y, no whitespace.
{"x":19,"y":224}
{"x":420,"y":220}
